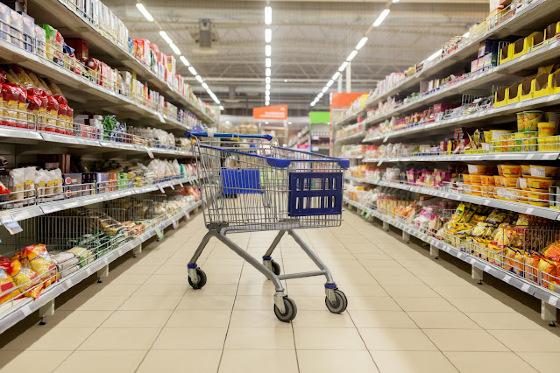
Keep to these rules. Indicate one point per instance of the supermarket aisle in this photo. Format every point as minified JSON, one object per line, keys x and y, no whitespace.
{"x":406,"y":314}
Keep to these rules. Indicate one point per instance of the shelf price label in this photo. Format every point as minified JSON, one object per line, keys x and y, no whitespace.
{"x":11,"y":225}
{"x":159,"y":233}
{"x":150,"y":153}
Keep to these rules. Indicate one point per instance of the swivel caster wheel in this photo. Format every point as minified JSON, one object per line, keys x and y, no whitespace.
{"x":339,"y":304}
{"x":290,"y":310}
{"x":273,"y":266}
{"x":201,"y":280}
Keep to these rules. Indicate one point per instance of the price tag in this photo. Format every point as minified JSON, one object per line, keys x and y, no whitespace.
{"x":150,"y":153}
{"x":529,"y":211}
{"x":379,"y":163}
{"x":553,"y":300}
{"x":181,"y":185}
{"x":175,"y":224}
{"x":160,"y":188}
{"x":11,"y":225}
{"x":187,"y":215}
{"x":507,"y":279}
{"x":171,"y":186}
{"x":385,"y":138}
{"x":525,"y":287}
{"x":159,"y":233}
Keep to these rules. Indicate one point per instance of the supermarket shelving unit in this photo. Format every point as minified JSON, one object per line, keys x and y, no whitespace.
{"x":534,"y":15}
{"x":83,"y":93}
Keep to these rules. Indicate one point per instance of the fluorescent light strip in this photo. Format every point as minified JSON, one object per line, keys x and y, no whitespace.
{"x":267,"y":35}
{"x":363,"y":41}
{"x":267,"y":15}
{"x":268,"y":50}
{"x":142,"y":9}
{"x":185,"y":61}
{"x":381,"y":17}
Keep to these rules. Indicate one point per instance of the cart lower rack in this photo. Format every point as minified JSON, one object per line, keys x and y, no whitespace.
{"x":251,"y":184}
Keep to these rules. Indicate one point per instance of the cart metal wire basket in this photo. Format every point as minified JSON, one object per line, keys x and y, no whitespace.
{"x":251,"y":184}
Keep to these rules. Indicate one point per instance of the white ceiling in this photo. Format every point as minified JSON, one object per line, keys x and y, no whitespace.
{"x":311,"y":38}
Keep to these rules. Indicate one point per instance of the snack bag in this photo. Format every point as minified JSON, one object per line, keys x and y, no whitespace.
{"x":38,"y":259}
{"x":8,"y":288}
{"x":552,"y":252}
{"x":18,"y":183}
{"x":26,"y":279}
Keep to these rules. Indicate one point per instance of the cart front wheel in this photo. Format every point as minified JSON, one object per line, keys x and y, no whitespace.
{"x":340,"y":303}
{"x":201,"y":280}
{"x":290,"y":311}
{"x":275,"y":267}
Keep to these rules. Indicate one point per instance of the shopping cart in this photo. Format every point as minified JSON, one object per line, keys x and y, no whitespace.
{"x":251,"y":184}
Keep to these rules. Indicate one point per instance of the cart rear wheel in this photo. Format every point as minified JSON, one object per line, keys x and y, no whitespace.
{"x":340,"y":303}
{"x":290,"y":311}
{"x":201,"y":280}
{"x":275,"y":267}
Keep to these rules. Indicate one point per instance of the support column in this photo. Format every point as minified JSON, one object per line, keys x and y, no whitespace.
{"x":434,"y":252}
{"x":339,"y":90}
{"x":548,"y":313}
{"x":385,"y":226}
{"x":46,"y":311}
{"x":405,"y":237}
{"x":137,"y":251}
{"x":477,"y":274}
{"x":102,"y":273}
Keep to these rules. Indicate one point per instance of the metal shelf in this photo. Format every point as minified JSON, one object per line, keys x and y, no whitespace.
{"x":510,"y":278}
{"x":82,"y":90}
{"x":533,"y":12}
{"x":63,"y":16}
{"x":27,"y":306}
{"x":351,"y":137}
{"x":14,"y":135}
{"x":470,"y":119}
{"x":31,"y":211}
{"x":482,"y":79}
{"x":519,"y":207}
{"x":519,"y":156}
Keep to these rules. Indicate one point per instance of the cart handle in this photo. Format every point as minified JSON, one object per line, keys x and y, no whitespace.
{"x":221,"y":135}
{"x":282,"y":162}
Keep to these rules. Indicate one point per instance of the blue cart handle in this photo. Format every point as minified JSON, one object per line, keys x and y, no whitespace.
{"x":227,"y":135}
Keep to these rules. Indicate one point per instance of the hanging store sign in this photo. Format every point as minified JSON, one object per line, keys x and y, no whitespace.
{"x":276,"y":112}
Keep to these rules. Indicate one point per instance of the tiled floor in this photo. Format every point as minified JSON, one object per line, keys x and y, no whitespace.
{"x":406,"y":313}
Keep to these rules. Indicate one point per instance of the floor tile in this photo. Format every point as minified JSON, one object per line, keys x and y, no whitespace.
{"x":206,"y":302}
{"x":199,"y":319}
{"x":328,"y":361}
{"x":373,"y":304}
{"x":77,"y":319}
{"x":174,"y":361}
{"x":545,"y":362}
{"x":101,"y":361}
{"x":528,"y":340}
{"x":255,"y":361}
{"x":412,"y":362}
{"x":328,"y":339}
{"x":150,"y":303}
{"x":424,"y":304}
{"x":190,"y":339}
{"x":444,"y":320}
{"x":256,"y":319}
{"x":480,"y":305}
{"x":137,"y":319}
{"x":111,"y":339}
{"x":318,"y":319}
{"x":464,"y":340}
{"x":260,"y":338}
{"x":508,"y":320}
{"x":396,"y":339}
{"x":381,"y":319}
{"x":49,"y":339}
{"x":31,"y":361}
{"x":476,"y":362}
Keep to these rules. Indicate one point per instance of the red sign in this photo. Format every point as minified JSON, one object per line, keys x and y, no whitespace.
{"x":276,"y":112}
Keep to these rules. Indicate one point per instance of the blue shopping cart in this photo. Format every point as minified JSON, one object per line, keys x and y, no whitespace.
{"x":251,"y":184}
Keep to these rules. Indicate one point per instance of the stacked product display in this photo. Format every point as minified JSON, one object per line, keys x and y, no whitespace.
{"x":95,"y":161}
{"x":485,"y":106}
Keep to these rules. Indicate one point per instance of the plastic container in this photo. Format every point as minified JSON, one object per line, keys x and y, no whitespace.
{"x":529,"y":120}
{"x":487,"y":180}
{"x":538,"y":197}
{"x":471,"y":179}
{"x":488,"y":191}
{"x":546,"y":129}
{"x":525,"y":170}
{"x":509,"y":182}
{"x":498,"y":181}
{"x":543,"y":171}
{"x":478,"y":169}
{"x":539,"y":182}
{"x":522,"y":182}
{"x":525,"y":141}
{"x":509,"y":170}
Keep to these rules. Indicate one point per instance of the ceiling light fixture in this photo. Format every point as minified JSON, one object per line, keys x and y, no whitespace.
{"x":267,"y":72}
{"x":185,"y":61}
{"x":142,"y":9}
{"x":192,"y":70}
{"x":361,"y":43}
{"x":381,"y":17}
{"x":199,"y":79}
{"x":267,"y":15}
{"x":268,"y":50}
{"x":267,"y":35}
{"x":351,"y":56}
{"x":267,"y":62}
